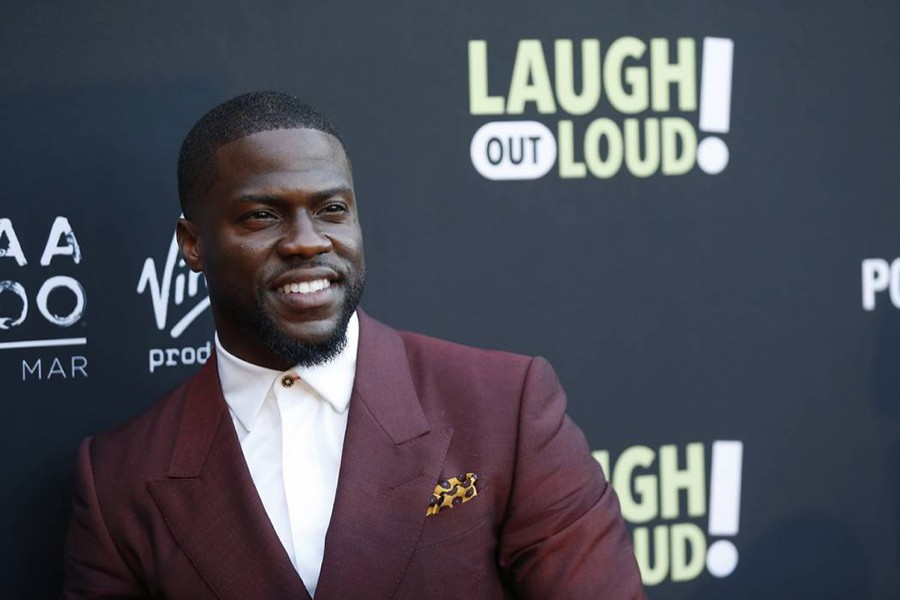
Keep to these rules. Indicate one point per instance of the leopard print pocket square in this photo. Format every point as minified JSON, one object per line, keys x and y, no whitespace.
{"x":452,"y":492}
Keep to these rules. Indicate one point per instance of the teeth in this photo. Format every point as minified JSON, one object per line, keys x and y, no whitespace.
{"x":305,"y":287}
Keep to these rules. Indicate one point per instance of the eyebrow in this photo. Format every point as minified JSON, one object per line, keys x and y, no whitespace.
{"x":276,"y":199}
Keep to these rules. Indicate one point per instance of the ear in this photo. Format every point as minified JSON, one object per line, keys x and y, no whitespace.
{"x":189,"y":243}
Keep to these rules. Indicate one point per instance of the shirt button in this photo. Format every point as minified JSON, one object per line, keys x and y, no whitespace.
{"x":287,"y":381}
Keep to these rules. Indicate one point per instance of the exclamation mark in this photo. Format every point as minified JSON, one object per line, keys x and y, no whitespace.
{"x":724,"y":505}
{"x":715,"y":102}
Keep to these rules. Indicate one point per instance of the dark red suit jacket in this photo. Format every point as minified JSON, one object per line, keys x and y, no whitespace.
{"x":165,"y":506}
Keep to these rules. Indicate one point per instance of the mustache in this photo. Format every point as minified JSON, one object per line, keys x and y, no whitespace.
{"x":311,"y":263}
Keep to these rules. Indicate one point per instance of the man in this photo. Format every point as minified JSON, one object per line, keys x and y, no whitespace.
{"x":319,"y":452}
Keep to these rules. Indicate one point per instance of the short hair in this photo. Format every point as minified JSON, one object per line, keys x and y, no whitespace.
{"x":236,"y":118}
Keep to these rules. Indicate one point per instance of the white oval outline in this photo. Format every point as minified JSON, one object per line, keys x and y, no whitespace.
{"x":506,"y":171}
{"x":57,"y":282}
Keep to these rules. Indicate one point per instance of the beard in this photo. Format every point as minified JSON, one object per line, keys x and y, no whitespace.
{"x":310,"y":354}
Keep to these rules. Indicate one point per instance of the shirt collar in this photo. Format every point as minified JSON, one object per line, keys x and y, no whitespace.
{"x":246,"y":385}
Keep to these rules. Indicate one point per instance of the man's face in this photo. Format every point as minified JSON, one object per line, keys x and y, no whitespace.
{"x":279,"y":241}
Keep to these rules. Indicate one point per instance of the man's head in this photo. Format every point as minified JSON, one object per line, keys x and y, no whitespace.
{"x":271,"y":220}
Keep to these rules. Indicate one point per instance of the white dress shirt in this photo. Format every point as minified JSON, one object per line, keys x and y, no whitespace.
{"x":292,"y":433}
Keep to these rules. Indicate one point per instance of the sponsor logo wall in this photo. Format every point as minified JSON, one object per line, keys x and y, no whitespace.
{"x":689,"y":209}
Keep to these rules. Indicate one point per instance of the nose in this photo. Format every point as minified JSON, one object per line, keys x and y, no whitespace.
{"x":303,"y":237}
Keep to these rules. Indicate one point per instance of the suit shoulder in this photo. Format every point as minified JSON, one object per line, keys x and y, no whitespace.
{"x":144,"y":442}
{"x":459,"y":382}
{"x":434,"y":353}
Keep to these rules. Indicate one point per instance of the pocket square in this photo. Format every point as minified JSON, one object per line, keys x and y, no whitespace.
{"x":452,"y":492}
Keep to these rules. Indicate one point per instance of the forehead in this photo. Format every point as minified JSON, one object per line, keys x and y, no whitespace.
{"x":282,"y":158}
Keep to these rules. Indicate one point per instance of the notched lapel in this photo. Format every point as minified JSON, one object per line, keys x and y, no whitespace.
{"x":212,"y":508}
{"x":379,"y":511}
{"x":391,"y":459}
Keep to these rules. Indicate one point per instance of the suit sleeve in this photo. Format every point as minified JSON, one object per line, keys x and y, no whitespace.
{"x":93,"y":567}
{"x":563,"y":536}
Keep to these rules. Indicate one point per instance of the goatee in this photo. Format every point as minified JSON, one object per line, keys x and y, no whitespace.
{"x":297,"y":353}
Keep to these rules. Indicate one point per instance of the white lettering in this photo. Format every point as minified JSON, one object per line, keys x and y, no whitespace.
{"x":173,"y":357}
{"x":61,"y":230}
{"x":875,"y":278}
{"x":160,"y":287}
{"x":13,"y":247}
{"x":56,"y":369}
{"x":16,"y":288}
{"x":32,"y":369}
{"x":77,"y":366}
{"x":480,"y":102}
{"x":156,"y":359}
{"x":513,"y":150}
{"x":188,"y":356}
{"x":894,"y":287}
{"x":61,"y":281}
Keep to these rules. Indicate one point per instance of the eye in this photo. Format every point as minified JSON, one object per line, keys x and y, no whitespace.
{"x":258,"y":219}
{"x":260,"y":215}
{"x":333,"y":209}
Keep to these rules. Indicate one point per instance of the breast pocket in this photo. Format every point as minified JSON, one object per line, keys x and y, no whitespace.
{"x":458,"y":505}
{"x":451,"y":525}
{"x":458,"y":554}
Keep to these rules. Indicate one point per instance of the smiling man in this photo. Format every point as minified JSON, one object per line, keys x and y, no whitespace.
{"x":281,"y":246}
{"x":320,"y":453}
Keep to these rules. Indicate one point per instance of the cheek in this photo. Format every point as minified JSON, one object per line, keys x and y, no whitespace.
{"x":350,"y":246}
{"x":354,"y":252}
{"x":236,"y":267}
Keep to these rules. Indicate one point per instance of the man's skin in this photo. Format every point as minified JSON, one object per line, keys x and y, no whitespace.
{"x":282,"y":210}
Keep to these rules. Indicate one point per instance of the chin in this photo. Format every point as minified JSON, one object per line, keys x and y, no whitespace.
{"x":308,"y":343}
{"x":307,"y":335}
{"x":312,"y":332}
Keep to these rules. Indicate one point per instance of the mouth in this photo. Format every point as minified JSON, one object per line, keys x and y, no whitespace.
{"x":307,"y":293}
{"x":305,"y":287}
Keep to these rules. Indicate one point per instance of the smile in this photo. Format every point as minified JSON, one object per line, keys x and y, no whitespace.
{"x":305,"y":287}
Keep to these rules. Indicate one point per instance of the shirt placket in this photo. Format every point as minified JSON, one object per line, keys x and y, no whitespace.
{"x":299,"y":483}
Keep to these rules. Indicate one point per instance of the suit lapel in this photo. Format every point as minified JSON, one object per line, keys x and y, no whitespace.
{"x":390,"y":463}
{"x":212,"y":507}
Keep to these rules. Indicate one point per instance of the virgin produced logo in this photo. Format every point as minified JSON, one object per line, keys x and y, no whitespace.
{"x":178,"y":297}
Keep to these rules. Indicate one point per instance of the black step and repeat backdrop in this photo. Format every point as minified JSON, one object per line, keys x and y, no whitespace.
{"x":691,"y":208}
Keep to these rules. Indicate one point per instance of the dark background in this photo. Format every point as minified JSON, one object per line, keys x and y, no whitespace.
{"x":675,"y":309}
